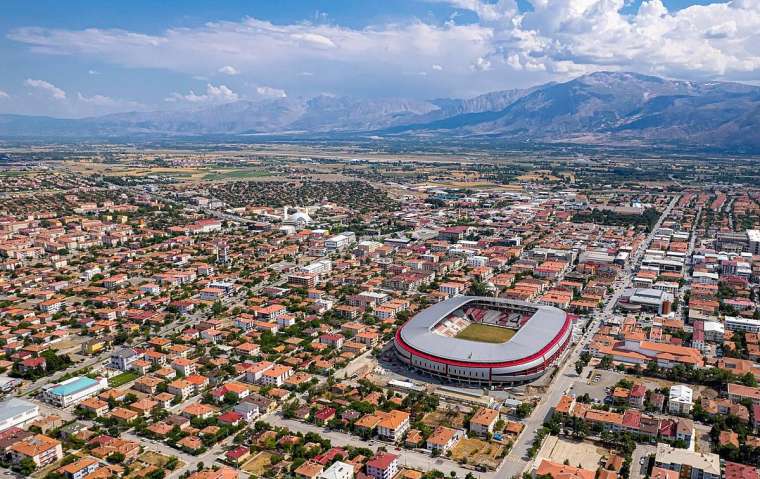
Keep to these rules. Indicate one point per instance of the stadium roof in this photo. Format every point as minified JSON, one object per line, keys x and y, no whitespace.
{"x":544,"y":329}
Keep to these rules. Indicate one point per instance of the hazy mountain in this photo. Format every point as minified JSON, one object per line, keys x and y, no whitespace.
{"x":597,"y":108}
{"x":619,"y":107}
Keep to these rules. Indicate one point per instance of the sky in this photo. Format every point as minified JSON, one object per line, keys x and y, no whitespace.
{"x":79,"y":58}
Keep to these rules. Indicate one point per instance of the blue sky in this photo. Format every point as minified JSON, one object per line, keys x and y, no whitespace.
{"x":79,"y":58}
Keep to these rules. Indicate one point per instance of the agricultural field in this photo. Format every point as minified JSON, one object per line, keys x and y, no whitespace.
{"x":485,"y":333}
{"x":235,"y":174}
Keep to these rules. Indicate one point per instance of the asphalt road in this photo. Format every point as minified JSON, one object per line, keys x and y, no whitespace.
{"x":517,"y":461}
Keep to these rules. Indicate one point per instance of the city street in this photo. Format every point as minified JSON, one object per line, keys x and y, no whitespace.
{"x":517,"y":461}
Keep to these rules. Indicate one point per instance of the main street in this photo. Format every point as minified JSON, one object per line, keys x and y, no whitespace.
{"x":517,"y":460}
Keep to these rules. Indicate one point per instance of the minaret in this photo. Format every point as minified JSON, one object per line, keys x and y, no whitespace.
{"x":222,"y":251}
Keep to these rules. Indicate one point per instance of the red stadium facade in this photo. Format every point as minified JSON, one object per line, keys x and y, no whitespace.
{"x":544,"y":333}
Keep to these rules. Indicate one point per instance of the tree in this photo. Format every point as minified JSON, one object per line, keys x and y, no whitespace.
{"x":524,"y":410}
{"x":27,"y":466}
{"x":479,"y":288}
{"x":606,"y":362}
{"x":748,"y":379}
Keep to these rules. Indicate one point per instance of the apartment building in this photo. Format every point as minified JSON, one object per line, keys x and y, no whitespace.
{"x":41,"y":449}
{"x":688,"y":464}
{"x":393,"y":426}
{"x":382,"y":466}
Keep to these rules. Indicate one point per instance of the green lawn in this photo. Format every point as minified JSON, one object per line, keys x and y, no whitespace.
{"x":122,"y":378}
{"x":486,"y":333}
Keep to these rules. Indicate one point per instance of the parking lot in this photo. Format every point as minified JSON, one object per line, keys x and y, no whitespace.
{"x":600,"y":380}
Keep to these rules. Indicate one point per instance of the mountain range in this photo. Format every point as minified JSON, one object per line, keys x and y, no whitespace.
{"x":600,"y":108}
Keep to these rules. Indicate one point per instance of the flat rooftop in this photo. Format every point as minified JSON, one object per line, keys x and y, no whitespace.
{"x":73,"y":387}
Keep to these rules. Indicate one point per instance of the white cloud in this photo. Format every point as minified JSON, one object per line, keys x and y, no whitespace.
{"x":46,"y":87}
{"x":314,"y":40}
{"x":568,"y":37}
{"x":229,"y":70}
{"x":271,"y":92}
{"x":109,"y":103}
{"x":481,"y":65}
{"x":344,"y":60}
{"x":93,"y":72}
{"x":214,"y":94}
{"x":505,"y":47}
{"x":4,"y":94}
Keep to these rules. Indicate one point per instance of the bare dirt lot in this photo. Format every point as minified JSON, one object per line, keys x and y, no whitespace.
{"x":477,"y":451}
{"x":258,"y":464}
{"x":157,"y":459}
{"x":585,"y":454}
{"x":438,"y":418}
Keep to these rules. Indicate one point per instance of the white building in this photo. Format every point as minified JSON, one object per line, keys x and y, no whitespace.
{"x":122,"y":359}
{"x":680,"y":400}
{"x":703,"y":277}
{"x":383,"y":466}
{"x":17,"y":412}
{"x":338,"y":470}
{"x":477,"y":261}
{"x":73,"y":390}
{"x":248,"y":409}
{"x":753,"y":236}
{"x":340,"y":241}
{"x":689,"y":464}
{"x":276,"y":375}
{"x":714,"y":331}
{"x":746,"y":325}
{"x":322,"y":266}
{"x":300,"y":219}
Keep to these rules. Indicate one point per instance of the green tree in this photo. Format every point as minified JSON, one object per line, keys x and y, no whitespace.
{"x":26,"y":466}
{"x":479,"y":288}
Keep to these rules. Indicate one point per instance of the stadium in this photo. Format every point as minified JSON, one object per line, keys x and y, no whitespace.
{"x":484,"y":341}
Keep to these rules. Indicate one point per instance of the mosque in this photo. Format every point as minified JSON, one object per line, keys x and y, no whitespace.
{"x":299,"y":219}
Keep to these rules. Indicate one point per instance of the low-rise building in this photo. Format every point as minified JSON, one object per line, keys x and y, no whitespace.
{"x":73,"y":390}
{"x":680,"y":399}
{"x":41,"y":449}
{"x":382,"y":466}
{"x":483,"y":421}
{"x":338,"y":470}
{"x":17,"y":412}
{"x":689,"y":464}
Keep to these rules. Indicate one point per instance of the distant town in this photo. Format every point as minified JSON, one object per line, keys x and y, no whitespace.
{"x":279,"y":311}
